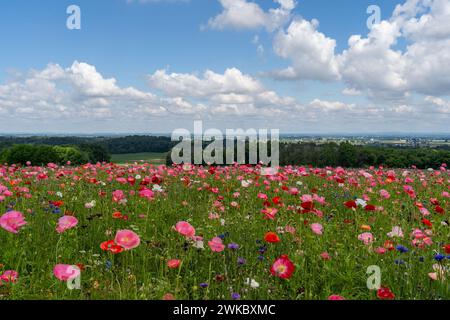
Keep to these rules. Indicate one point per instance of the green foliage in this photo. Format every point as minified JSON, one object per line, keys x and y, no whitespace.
{"x":352,"y":156}
{"x":43,"y":154}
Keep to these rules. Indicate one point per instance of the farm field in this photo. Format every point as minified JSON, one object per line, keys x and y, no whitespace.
{"x":150,"y":157}
{"x":141,"y":231}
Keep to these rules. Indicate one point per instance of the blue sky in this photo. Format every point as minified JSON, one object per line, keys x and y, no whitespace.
{"x":131,"y":41}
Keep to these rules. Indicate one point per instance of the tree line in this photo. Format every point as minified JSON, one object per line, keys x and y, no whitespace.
{"x":356,"y":156}
{"x":42,"y":150}
{"x":353,"y":156}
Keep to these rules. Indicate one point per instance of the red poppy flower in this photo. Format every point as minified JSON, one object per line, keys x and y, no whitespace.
{"x":385,"y":294}
{"x":351,"y":204}
{"x":276,"y":200}
{"x":370,"y":207}
{"x":106,"y":245}
{"x":282,"y":267}
{"x":80,"y":266}
{"x":111,"y":246}
{"x":434,"y":201}
{"x":427,"y":222}
{"x":439,"y":209}
{"x":117,"y":215}
{"x":447,"y":248}
{"x":57,"y":203}
{"x":389,"y":245}
{"x":271,"y":237}
{"x":307,"y":205}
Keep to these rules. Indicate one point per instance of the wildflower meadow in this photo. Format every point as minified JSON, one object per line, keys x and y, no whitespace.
{"x":142,"y":232}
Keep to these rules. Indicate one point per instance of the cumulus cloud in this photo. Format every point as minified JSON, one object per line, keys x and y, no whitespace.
{"x":403,"y":55}
{"x":232,"y":91}
{"x":243,"y":14}
{"x":80,"y":95}
{"x":311,"y":52}
{"x":78,"y":91}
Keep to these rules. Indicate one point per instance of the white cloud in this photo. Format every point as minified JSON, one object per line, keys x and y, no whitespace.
{"x":351,"y":92}
{"x":379,"y":65}
{"x":243,"y":14}
{"x":442,"y":105}
{"x":232,"y":81}
{"x":78,"y":91}
{"x":232,"y":91}
{"x":331,"y":106}
{"x":311,"y":52}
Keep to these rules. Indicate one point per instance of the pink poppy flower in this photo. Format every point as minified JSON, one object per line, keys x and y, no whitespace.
{"x":184,"y":228}
{"x":269,"y":213}
{"x":66,"y":223}
{"x":173,"y":264}
{"x":127,"y":239}
{"x":12,"y":221}
{"x":366,"y":237}
{"x":385,"y":194}
{"x":9,"y":276}
{"x":65,"y":272}
{"x":380,"y":250}
{"x":325,"y":256}
{"x":317,"y":228}
{"x":118,"y":195}
{"x":216,"y":245}
{"x":335,"y":298}
{"x":146,"y":193}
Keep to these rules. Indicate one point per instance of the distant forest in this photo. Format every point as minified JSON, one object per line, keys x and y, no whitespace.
{"x":42,"y":150}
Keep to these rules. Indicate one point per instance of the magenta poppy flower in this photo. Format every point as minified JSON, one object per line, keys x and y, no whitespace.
{"x":335,"y":298}
{"x":12,"y":221}
{"x":65,"y":272}
{"x":66,"y":223}
{"x":366,"y":237}
{"x":317,"y":228}
{"x":118,"y":195}
{"x":9,"y":276}
{"x":127,"y":239}
{"x":216,"y":245}
{"x":146,"y":193}
{"x":283,"y":267}
{"x":184,"y":228}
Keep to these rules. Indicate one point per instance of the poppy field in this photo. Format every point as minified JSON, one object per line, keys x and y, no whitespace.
{"x":141,"y":231}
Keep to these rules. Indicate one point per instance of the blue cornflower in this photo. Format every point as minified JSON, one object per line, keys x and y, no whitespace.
{"x":262,"y":249}
{"x":402,"y":249}
{"x":235,"y":296}
{"x":108,"y":264}
{"x":233,"y":246}
{"x":261,"y":258}
{"x":439,"y":257}
{"x":241,"y":261}
{"x":399,"y":262}
{"x":203,"y":285}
